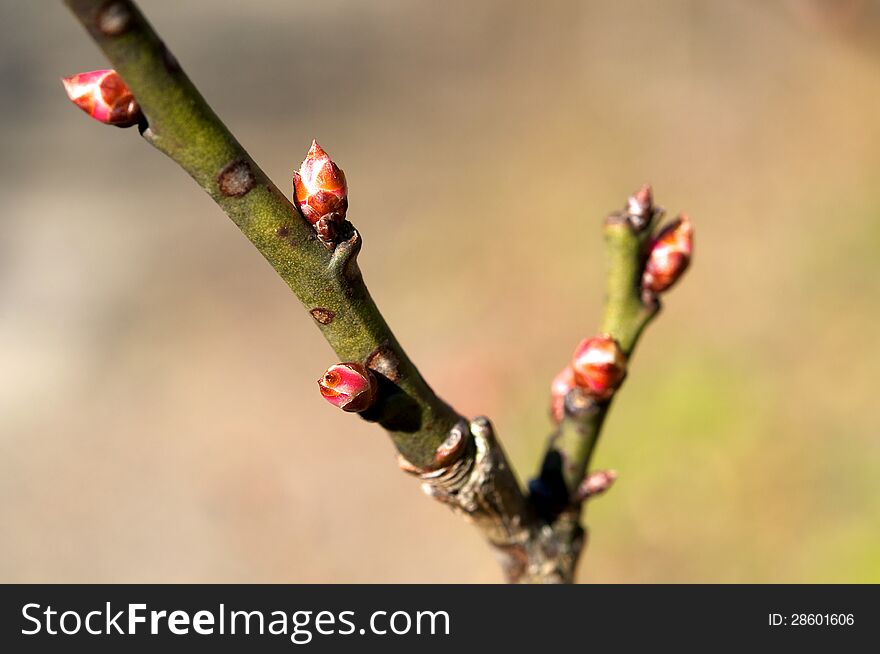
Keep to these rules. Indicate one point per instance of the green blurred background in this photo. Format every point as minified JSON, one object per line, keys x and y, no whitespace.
{"x":159,"y":419}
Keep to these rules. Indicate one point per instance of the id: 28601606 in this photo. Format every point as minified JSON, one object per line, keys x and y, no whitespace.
{"x":811,"y":620}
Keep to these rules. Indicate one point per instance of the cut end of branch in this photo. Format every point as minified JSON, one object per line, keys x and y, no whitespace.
{"x":448,"y":453}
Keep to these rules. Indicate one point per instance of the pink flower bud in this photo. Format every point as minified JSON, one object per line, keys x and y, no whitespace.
{"x":640,"y":209}
{"x":319,"y":188}
{"x":641,"y":203}
{"x":599,"y":366}
{"x":559,"y":388}
{"x":350,"y":386}
{"x":104,"y":96}
{"x":669,"y":255}
{"x":596,"y":483}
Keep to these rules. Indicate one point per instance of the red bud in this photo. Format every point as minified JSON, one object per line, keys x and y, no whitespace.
{"x":669,"y":255}
{"x":559,"y":388}
{"x":319,"y":188}
{"x":104,"y":96}
{"x":599,"y":366}
{"x":350,"y":386}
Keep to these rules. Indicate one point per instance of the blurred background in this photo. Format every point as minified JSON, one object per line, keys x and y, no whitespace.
{"x":159,"y":418}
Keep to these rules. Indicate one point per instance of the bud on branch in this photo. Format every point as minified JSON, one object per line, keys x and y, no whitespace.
{"x":595,"y":484}
{"x":640,"y":209}
{"x":349,"y":386}
{"x":669,"y":255}
{"x":321,"y":193}
{"x":319,"y":186}
{"x":104,"y":96}
{"x":599,"y":366}
{"x":641,"y":203}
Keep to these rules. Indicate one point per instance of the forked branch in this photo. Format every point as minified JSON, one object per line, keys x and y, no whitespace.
{"x":314,"y":249}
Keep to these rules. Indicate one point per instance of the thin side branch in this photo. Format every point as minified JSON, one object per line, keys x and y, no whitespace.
{"x":627,"y":313}
{"x":564,"y":482}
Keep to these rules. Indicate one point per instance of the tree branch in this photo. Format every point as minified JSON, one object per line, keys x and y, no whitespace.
{"x":180,"y":124}
{"x":558,"y":491}
{"x":459,"y":462}
{"x":627,"y":312}
{"x":434,"y":441}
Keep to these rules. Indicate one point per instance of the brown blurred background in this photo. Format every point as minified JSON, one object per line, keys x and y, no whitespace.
{"x":159,"y":419}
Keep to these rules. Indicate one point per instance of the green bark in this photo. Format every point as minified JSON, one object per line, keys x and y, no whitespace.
{"x":460,"y":463}
{"x":625,"y":316}
{"x":182,"y":125}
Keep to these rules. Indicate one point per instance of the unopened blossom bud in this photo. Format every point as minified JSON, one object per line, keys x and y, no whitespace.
{"x":319,"y":187}
{"x":641,"y":203}
{"x":669,"y":255}
{"x":596,"y":483}
{"x":350,"y":386}
{"x":640,"y":210}
{"x":559,"y":388}
{"x":599,"y":366}
{"x":104,"y":96}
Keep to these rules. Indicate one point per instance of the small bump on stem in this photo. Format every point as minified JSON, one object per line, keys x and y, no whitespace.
{"x":114,"y":18}
{"x":322,"y":315}
{"x":236,"y":179}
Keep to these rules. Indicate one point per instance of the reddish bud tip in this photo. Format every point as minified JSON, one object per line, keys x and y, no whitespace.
{"x":596,"y":483}
{"x":104,"y":96}
{"x":559,"y":388}
{"x":669,"y":255}
{"x":350,"y":386}
{"x":641,"y":202}
{"x":319,"y":186}
{"x":599,"y":366}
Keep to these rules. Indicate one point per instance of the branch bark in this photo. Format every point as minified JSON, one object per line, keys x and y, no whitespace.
{"x":431,"y":436}
{"x":627,"y":313}
{"x":628,"y":310}
{"x":459,"y":462}
{"x":180,"y":124}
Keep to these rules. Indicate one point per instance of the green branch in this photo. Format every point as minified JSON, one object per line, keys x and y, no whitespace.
{"x":629,"y":308}
{"x":625,"y":316}
{"x":626,"y":311}
{"x":182,"y":125}
{"x":460,"y":463}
